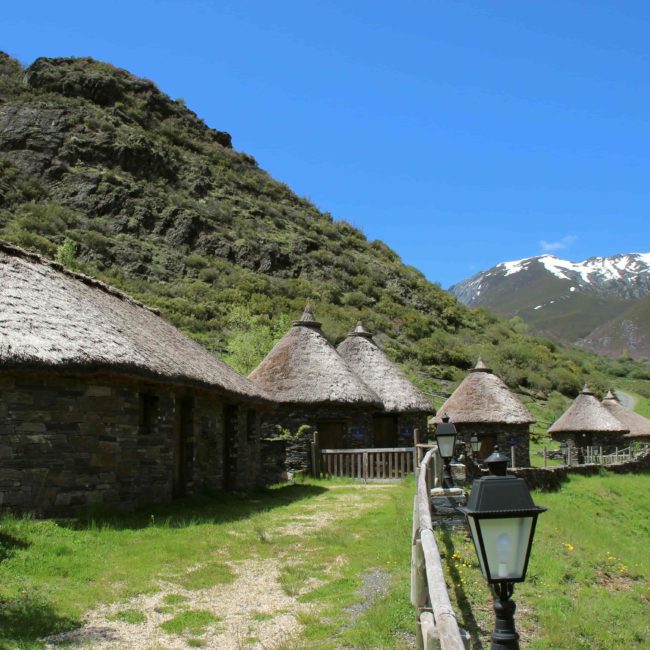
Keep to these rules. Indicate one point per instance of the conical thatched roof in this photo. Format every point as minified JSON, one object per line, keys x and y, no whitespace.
{"x":53,"y":318}
{"x":638,"y":425}
{"x":483,"y":398}
{"x":397,"y":392}
{"x":587,"y":415}
{"x":304,"y":368}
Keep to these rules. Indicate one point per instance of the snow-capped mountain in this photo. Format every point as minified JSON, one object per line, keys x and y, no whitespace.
{"x":625,"y":276}
{"x":563,"y":299}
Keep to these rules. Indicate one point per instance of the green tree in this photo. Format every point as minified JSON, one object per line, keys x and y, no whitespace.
{"x":66,"y":254}
{"x":251,"y":338}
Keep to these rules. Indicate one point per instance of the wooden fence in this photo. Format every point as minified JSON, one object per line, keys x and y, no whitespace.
{"x":437,"y":626}
{"x":592,"y":456}
{"x":390,"y":463}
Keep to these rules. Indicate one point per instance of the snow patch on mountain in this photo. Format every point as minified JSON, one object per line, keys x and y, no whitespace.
{"x":594,"y":269}
{"x":625,"y":276}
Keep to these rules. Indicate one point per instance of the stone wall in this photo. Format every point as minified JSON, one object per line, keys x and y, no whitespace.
{"x":551,"y":478}
{"x":69,"y":443}
{"x":608,"y":441}
{"x":407,"y":423}
{"x":503,"y":434}
{"x":284,"y":458}
{"x":357,"y":423}
{"x":208,"y":461}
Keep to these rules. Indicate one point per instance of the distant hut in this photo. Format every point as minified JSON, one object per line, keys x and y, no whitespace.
{"x":405,"y":406}
{"x":588,"y":423}
{"x":104,"y":402}
{"x":314,"y":386}
{"x":484,"y":405}
{"x":638,"y":425}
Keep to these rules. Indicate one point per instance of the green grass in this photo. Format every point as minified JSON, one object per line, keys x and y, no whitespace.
{"x":132,"y":616}
{"x":587,"y":584}
{"x":209,"y":575}
{"x":192,"y":621}
{"x":52,"y":572}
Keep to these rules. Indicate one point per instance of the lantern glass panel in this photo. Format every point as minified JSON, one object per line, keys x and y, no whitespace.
{"x":446,"y":445}
{"x":506,"y":541}
{"x":475,"y":444}
{"x":472,"y":528}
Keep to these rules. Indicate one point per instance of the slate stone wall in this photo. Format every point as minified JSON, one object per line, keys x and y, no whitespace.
{"x":551,"y":478}
{"x":280,"y":458}
{"x":71,"y":443}
{"x":608,"y":441}
{"x":502,"y":433}
{"x":407,"y":423}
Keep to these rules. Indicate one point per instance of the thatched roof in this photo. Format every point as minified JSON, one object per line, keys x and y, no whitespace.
{"x":638,"y":425}
{"x":587,"y":415}
{"x":398,"y":394}
{"x":483,"y":398}
{"x":304,"y":368}
{"x":53,"y":318}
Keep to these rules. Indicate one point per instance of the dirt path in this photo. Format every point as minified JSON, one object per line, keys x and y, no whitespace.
{"x":627,"y":400}
{"x":252,"y":612}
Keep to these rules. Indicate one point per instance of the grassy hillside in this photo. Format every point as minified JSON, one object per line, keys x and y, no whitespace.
{"x":627,"y":330}
{"x":103,"y":171}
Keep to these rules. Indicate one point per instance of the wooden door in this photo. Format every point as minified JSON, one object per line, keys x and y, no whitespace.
{"x":230,"y":424}
{"x":487,"y":446}
{"x":385,"y":431}
{"x":183,"y":445}
{"x":331,"y":435}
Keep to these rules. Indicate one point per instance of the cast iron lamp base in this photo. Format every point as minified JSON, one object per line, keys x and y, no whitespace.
{"x":505,"y":635}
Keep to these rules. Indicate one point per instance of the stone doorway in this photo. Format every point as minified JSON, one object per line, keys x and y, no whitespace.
{"x":183,"y":446}
{"x":230,"y":426}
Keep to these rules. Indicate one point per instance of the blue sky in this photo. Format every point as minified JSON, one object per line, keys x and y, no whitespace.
{"x":461,"y":133}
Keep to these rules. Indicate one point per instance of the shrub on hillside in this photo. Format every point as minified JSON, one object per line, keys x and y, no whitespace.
{"x":565,"y":382}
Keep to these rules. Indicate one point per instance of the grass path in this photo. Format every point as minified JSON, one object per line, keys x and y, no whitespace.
{"x":292,"y":567}
{"x":323,"y":566}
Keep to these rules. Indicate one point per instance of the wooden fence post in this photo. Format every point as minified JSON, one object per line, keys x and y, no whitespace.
{"x":416,"y":449}
{"x":315,"y":456}
{"x":544,"y":456}
{"x":513,"y":457}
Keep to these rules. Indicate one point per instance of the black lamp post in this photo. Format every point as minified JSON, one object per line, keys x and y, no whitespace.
{"x":475,"y":445}
{"x":446,"y":439}
{"x":501,"y":516}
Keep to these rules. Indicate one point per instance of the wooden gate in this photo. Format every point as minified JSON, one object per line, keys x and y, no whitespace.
{"x":367,"y":464}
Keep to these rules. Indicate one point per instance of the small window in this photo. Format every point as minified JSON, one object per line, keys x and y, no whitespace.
{"x":148,"y":413}
{"x":251,"y":420}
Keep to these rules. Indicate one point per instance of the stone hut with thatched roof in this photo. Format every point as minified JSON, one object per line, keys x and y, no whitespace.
{"x":638,"y":425}
{"x":484,"y":405}
{"x":104,"y":402}
{"x":588,"y":423}
{"x":315,"y":389}
{"x":405,"y":406}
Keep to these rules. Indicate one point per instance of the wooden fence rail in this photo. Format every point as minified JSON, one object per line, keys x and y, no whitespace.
{"x":437,"y":626}
{"x":367,"y":464}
